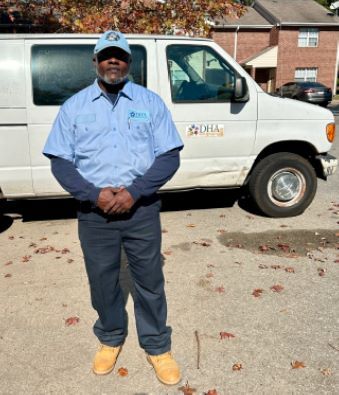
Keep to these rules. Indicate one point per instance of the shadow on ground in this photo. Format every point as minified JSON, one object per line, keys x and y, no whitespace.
{"x":52,"y":209}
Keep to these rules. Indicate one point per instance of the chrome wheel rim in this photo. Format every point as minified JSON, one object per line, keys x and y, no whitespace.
{"x":286,"y":187}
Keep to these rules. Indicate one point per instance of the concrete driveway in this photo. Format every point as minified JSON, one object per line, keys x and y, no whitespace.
{"x":253,"y":301}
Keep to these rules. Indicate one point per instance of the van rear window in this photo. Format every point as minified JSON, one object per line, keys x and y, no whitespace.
{"x":59,"y":71}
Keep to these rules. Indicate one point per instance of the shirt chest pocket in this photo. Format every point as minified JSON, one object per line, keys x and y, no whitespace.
{"x":89,"y":134}
{"x":140,"y":136}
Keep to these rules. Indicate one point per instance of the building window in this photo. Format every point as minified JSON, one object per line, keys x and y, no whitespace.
{"x":308,"y":37}
{"x":307,"y":74}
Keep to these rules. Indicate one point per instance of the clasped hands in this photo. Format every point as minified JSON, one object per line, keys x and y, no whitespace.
{"x":115,"y":200}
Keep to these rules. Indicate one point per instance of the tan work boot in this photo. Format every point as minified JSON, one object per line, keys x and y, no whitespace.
{"x":166,"y":369}
{"x":105,"y":359}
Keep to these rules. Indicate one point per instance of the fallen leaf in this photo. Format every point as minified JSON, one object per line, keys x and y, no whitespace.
{"x":122,"y":372}
{"x":262,"y":266}
{"x":64,"y":305}
{"x":164,"y":231}
{"x":257,"y":292}
{"x":70,"y":260}
{"x":202,"y":243}
{"x":43,"y":238}
{"x":297,"y":365}
{"x":191,"y":226}
{"x":284,"y":247}
{"x":186,"y":389}
{"x":289,"y":269}
{"x":167,"y":252}
{"x":58,"y":257}
{"x":226,"y":335}
{"x":222,"y":215}
{"x":11,"y":237}
{"x":72,"y":321}
{"x":210,"y":265}
{"x":321,"y":272}
{"x":211,"y":392}
{"x":263,"y":248}
{"x":8,"y":275}
{"x":65,"y":251}
{"x":32,"y":245}
{"x":8,"y":263}
{"x":220,"y":289}
{"x":26,"y":258}
{"x":275,"y":267}
{"x":326,"y":371}
{"x":237,"y":366}
{"x":283,"y":226}
{"x":277,"y":288}
{"x":44,"y":250}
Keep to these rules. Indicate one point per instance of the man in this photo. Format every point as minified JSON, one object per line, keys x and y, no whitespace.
{"x":112,"y":146}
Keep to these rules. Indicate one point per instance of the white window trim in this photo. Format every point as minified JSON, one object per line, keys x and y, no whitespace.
{"x":308,"y":33}
{"x":306,"y":74}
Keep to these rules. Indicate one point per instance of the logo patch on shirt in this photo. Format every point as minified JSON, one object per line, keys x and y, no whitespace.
{"x":205,"y":130}
{"x":85,"y":118}
{"x":138,"y":115}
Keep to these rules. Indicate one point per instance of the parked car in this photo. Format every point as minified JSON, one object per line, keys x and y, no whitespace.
{"x":312,"y":92}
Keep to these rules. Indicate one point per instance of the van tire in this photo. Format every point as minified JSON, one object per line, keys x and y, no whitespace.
{"x":267,"y":185}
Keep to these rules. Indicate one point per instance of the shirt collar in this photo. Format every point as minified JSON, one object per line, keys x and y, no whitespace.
{"x":127,"y":90}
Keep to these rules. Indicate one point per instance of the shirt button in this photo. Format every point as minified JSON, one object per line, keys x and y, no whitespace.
{"x":114,"y":129}
{"x":115,"y":146}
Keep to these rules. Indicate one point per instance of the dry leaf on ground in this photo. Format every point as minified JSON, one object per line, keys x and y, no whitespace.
{"x":326,"y":371}
{"x":257,"y":292}
{"x":123,"y":372}
{"x":72,"y":321}
{"x":211,"y":392}
{"x":297,"y":365}
{"x":220,"y":289}
{"x":237,"y":366}
{"x":186,"y":389}
{"x":277,"y":288}
{"x":226,"y":335}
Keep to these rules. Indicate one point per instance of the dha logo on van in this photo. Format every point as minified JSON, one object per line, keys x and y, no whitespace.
{"x":205,"y":130}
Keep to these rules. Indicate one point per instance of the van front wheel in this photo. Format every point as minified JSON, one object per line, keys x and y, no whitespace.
{"x":283,"y":184}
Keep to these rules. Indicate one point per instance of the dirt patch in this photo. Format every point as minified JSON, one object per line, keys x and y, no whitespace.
{"x":298,"y":242}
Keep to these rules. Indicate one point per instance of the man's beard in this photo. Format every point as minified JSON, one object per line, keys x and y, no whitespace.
{"x":117,"y":81}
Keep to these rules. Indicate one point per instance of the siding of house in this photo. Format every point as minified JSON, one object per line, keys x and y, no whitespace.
{"x":290,"y":56}
{"x":249,"y":43}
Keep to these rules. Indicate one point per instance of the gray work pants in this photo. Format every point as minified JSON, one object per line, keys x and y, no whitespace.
{"x":139,"y":233}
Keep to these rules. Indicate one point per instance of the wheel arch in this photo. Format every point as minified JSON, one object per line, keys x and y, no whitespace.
{"x":302,"y":148}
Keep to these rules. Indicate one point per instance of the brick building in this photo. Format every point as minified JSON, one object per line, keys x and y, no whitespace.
{"x":278,"y":41}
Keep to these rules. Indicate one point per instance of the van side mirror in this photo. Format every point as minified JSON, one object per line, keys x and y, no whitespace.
{"x":241,"y":90}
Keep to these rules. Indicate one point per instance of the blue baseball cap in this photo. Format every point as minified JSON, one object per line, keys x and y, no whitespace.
{"x":112,"y":39}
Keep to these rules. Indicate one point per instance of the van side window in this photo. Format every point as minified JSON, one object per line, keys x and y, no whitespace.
{"x":59,"y":71}
{"x":198,"y":74}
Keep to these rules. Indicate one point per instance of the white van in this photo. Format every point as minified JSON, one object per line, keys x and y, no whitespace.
{"x":234,"y":133}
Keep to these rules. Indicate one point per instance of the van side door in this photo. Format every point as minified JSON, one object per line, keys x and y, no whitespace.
{"x":198,"y":85}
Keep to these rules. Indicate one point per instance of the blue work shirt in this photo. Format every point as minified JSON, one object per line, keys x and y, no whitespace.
{"x":111,"y":145}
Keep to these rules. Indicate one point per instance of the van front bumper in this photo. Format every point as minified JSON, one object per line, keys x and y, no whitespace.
{"x":329,"y":164}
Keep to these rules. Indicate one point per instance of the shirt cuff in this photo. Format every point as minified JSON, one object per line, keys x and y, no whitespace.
{"x":93,"y":194}
{"x":136,"y":195}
